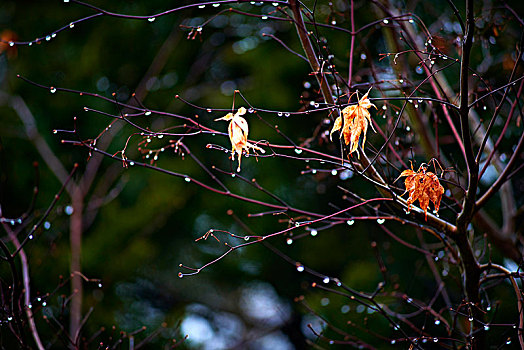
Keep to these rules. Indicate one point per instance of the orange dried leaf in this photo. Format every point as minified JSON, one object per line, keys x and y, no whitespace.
{"x":238,"y":131}
{"x":423,"y":186}
{"x":356,"y":119}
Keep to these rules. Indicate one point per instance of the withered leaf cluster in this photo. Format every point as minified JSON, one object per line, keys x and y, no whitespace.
{"x":423,"y":186}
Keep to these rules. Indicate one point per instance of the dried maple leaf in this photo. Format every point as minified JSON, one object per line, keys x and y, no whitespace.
{"x":423,"y":186}
{"x":238,"y":130}
{"x":356,"y":119}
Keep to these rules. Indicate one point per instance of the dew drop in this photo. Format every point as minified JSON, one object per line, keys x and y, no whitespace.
{"x":385,"y":21}
{"x":331,"y":342}
{"x":316,"y":105}
{"x":53,"y":35}
{"x":11,"y":43}
{"x":350,"y":222}
{"x":155,"y":157}
{"x":298,"y":151}
{"x":31,"y":237}
{"x":71,"y":25}
{"x":287,"y":115}
{"x":187,"y":179}
{"x":326,"y":280}
{"x":289,"y":241}
{"x":508,"y":341}
{"x":419,"y":70}
{"x":30,"y":306}
{"x":100,"y":285}
{"x":68,"y":210}
{"x":38,"y":299}
{"x":44,"y":304}
{"x":334,"y":172}
{"x":381,"y":221}
{"x":408,"y":128}
{"x":160,"y":136}
{"x":435,"y":340}
{"x":279,"y":114}
{"x":48,"y":37}
{"x":147,"y":113}
{"x":300,"y":268}
{"x":52,"y":89}
{"x":401,"y":81}
{"x":411,"y":20}
{"x":486,"y":328}
{"x":363,"y":56}
{"x":384,"y":107}
{"x":180,"y":275}
{"x":263,"y":17}
{"x":393,"y":341}
{"x":9,"y":318}
{"x":246,"y":238}
{"x":470,"y":318}
{"x":437,"y":322}
{"x":488,"y":308}
{"x":131,"y":163}
{"x":216,"y":5}
{"x":201,"y":6}
{"x":151,"y":19}
{"x":314,"y":233}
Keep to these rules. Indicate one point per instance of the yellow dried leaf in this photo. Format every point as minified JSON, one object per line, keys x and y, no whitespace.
{"x":238,"y":131}
{"x":356,"y":119}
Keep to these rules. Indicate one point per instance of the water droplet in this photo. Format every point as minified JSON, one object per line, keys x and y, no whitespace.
{"x":12,"y":222}
{"x":313,"y":233}
{"x":38,"y":299}
{"x":470,"y":318}
{"x":151,"y":19}
{"x":314,"y":171}
{"x":201,"y":6}
{"x":298,"y":151}
{"x":401,"y":81}
{"x":300,"y":268}
{"x":331,"y":342}
{"x":508,"y":341}
{"x":187,"y":179}
{"x":160,"y":136}
{"x":30,"y":306}
{"x":488,"y":308}
{"x":287,"y":115}
{"x":279,"y":114}
{"x":437,"y":322}
{"x":216,"y":5}
{"x":385,"y":21}
{"x":363,"y":56}
{"x":393,"y":341}
{"x":48,"y":37}
{"x":409,"y":300}
{"x":350,"y":222}
{"x":147,"y":113}
{"x":381,"y":221}
{"x":100,"y":285}
{"x":264,"y":17}
{"x":334,"y":172}
{"x":408,"y":128}
{"x":326,"y":280}
{"x":384,"y":107}
{"x":155,"y":157}
{"x":9,"y":318}
{"x":246,"y":238}
{"x":68,"y":210}
{"x":411,"y":20}
{"x":71,"y":25}
{"x":435,"y":340}
{"x":289,"y":241}
{"x":53,"y":35}
{"x":52,"y":89}
{"x":66,"y":0}
{"x":31,"y":237}
{"x":11,"y":43}
{"x":316,"y":105}
{"x":419,"y":70}
{"x":486,"y":328}
{"x":44,"y":304}
{"x":131,"y":163}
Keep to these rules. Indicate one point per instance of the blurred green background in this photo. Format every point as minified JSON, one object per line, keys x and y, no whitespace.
{"x":139,"y":224}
